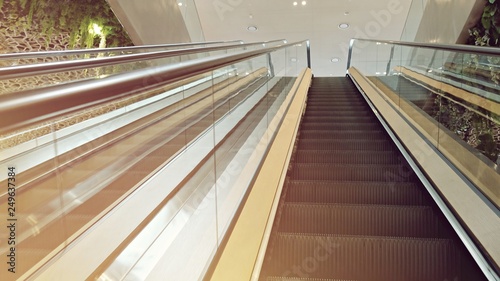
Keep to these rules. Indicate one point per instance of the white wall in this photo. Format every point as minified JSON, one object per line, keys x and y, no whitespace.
{"x":443,"y":20}
{"x":151,"y":21}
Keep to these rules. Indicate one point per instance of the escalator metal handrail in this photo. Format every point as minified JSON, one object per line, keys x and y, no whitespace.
{"x":20,"y":71}
{"x":27,"y":108}
{"x":445,"y":47}
{"x":107,"y":50}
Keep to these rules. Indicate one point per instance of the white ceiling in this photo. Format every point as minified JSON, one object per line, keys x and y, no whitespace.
{"x":318,"y":21}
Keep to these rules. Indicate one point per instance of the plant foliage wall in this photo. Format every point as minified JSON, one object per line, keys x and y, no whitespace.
{"x":482,"y":133}
{"x":487,"y":31}
{"x":87,"y":23}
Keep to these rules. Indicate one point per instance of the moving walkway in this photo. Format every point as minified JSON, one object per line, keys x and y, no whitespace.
{"x":166,"y":177}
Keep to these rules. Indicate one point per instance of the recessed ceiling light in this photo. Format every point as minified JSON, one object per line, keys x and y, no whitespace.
{"x":346,"y":13}
{"x":304,"y":3}
{"x":252,"y":28}
{"x":295,"y":3}
{"x":335,"y":59}
{"x":293,"y":59}
{"x":344,"y":25}
{"x":180,"y":4}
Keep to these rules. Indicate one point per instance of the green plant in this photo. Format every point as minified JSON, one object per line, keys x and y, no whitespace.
{"x":473,"y":128}
{"x":487,"y":31}
{"x":77,"y":18}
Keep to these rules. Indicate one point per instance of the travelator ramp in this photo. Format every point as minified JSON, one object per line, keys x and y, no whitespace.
{"x":146,"y":166}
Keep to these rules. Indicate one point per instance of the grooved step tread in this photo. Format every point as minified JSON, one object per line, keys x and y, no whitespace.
{"x":336,"y":101}
{"x":339,"y":126}
{"x":346,"y":157}
{"x":336,"y":120}
{"x":328,"y":112}
{"x":370,"y":220}
{"x":352,"y":172}
{"x":355,"y":144}
{"x":386,"y":193}
{"x":301,"y":279}
{"x":337,"y":107}
{"x":364,"y":258}
{"x":352,"y":134}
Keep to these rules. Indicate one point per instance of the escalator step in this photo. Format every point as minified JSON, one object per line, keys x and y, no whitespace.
{"x":340,"y":172}
{"x":353,"y":96}
{"x":387,"y":193}
{"x":337,"y":89}
{"x":333,"y":145}
{"x":334,"y":97}
{"x":333,"y":91}
{"x":364,"y":258}
{"x":335,"y":101}
{"x":346,"y":157}
{"x":353,"y":134}
{"x":340,"y":126}
{"x":352,"y":108}
{"x":275,"y":278}
{"x":370,"y":220}
{"x":329,"y":112}
{"x":336,"y":120}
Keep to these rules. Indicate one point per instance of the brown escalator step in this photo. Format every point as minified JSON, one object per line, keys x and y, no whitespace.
{"x":332,"y":145}
{"x":352,"y":134}
{"x":369,"y":220}
{"x":329,"y":95}
{"x":352,"y":108}
{"x":346,"y":157}
{"x":351,"y":172}
{"x":335,"y":101}
{"x":387,"y":193}
{"x":364,"y":258}
{"x":338,"y":119}
{"x":339,"y":126}
{"x":275,"y":278}
{"x":332,"y":92}
{"x":327,"y":112}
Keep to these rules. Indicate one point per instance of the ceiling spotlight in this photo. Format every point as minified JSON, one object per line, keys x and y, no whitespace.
{"x":344,"y":26}
{"x":304,"y":3}
{"x":180,"y":4}
{"x":335,"y":59}
{"x":252,"y":28}
{"x":346,"y":13}
{"x":295,"y":3}
{"x":293,"y":59}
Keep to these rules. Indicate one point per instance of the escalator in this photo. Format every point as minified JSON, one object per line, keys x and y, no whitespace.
{"x":352,"y":208}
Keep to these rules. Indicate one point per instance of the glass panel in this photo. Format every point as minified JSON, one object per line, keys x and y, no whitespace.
{"x":31,"y":203}
{"x":450,"y":97}
{"x":190,"y":150}
{"x":59,"y":77}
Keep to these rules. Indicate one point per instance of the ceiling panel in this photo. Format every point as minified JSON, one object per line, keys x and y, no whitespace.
{"x":318,"y":21}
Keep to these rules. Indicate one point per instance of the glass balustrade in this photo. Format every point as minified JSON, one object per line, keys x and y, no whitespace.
{"x":152,"y":181}
{"x":451,"y":96}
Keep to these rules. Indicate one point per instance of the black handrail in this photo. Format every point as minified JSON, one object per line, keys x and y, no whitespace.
{"x":26,"y":108}
{"x":19,"y":71}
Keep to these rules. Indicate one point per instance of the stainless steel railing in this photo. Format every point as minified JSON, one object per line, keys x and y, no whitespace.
{"x":444,"y":47}
{"x":19,"y":71}
{"x":26,"y":108}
